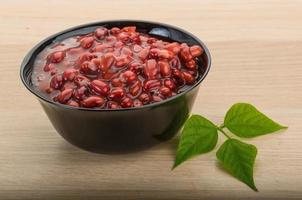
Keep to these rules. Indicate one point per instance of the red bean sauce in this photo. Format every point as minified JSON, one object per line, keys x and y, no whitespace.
{"x":114,"y":68}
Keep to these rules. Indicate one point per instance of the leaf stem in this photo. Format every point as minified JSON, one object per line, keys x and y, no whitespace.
{"x":220,"y":128}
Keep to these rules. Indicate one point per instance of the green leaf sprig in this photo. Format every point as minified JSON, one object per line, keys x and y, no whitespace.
{"x":200,"y":136}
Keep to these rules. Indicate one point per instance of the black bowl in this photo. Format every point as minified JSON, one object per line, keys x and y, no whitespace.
{"x":122,"y":130}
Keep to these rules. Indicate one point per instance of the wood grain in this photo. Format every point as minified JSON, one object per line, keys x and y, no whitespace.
{"x":256,"y":49}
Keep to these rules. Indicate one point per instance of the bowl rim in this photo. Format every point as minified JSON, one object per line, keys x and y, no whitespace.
{"x":29,"y":55}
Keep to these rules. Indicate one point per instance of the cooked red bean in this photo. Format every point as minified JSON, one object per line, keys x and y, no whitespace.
{"x":93,"y":101}
{"x":191,"y":64}
{"x":151,"y":85}
{"x":135,"y":88}
{"x":101,"y":32}
{"x":87,"y":42}
{"x":127,"y":102}
{"x":165,"y":91}
{"x":80,"y":93}
{"x":122,"y":61}
{"x":165,"y":69}
{"x":106,"y":62}
{"x":70,"y":74}
{"x":128,"y":77}
{"x":137,"y":103}
{"x":56,"y":82}
{"x":117,"y":94}
{"x":57,"y":57}
{"x":112,"y":105}
{"x":151,"y":69}
{"x":115,"y":68}
{"x":65,"y":95}
{"x":144,"y":98}
{"x":170,"y":84}
{"x":196,"y":50}
{"x":100,"y":87}
{"x":73,"y":103}
{"x":188,"y":78}
{"x":185,"y":54}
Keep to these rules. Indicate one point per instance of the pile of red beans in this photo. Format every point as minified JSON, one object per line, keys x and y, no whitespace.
{"x":115,"y":68}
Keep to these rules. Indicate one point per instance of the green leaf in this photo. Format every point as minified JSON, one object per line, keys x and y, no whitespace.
{"x":244,"y":120}
{"x":199,"y":136}
{"x":238,"y":159}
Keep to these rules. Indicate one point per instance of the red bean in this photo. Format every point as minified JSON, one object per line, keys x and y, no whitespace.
{"x":126,"y":102}
{"x":136,"y":67}
{"x":113,"y":105}
{"x":185,"y":54}
{"x":101,"y":32}
{"x":57,"y":56}
{"x":188,"y":78}
{"x":144,"y":98}
{"x":49,"y":67}
{"x":108,"y":75}
{"x":128,"y":77}
{"x":137,"y":48}
{"x":126,"y":51}
{"x":123,"y":36}
{"x":151,"y":40}
{"x":170,"y":84}
{"x":151,"y":69}
{"x":111,"y":39}
{"x":73,"y":103}
{"x":93,"y":101}
{"x":81,"y":80}
{"x":49,"y":90}
{"x":116,"y":82}
{"x":178,"y":76}
{"x":80,"y":93}
{"x":135,"y":88}
{"x":96,"y":61}
{"x":143,"y":54}
{"x":87,"y":42}
{"x":117,"y":94}
{"x":65,"y":95}
{"x":137,"y":103}
{"x":196,"y":50}
{"x":69,"y":74}
{"x":165,"y":91}
{"x":85,"y":57}
{"x":191,"y":64}
{"x":165,"y":54}
{"x":151,"y":85}
{"x":157,"y":98}
{"x":107,"y":61}
{"x":115,"y":30}
{"x":174,"y":47}
{"x":154,"y":52}
{"x":88,"y":67}
{"x":175,"y":63}
{"x":122,"y":61}
{"x":129,"y":29}
{"x":100,"y":87}
{"x":57,"y":82}
{"x":134,"y":37}
{"x":101,"y":47}
{"x":158,"y":44}
{"x":118,"y":44}
{"x":165,"y":69}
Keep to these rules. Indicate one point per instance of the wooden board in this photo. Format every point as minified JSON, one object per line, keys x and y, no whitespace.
{"x":256,"y":49}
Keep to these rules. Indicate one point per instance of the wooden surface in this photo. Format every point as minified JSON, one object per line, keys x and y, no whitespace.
{"x":256,"y":48}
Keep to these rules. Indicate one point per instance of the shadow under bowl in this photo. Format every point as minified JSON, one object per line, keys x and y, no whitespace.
{"x":123,"y":130}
